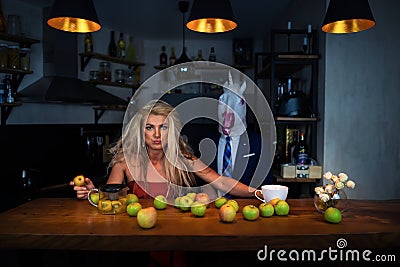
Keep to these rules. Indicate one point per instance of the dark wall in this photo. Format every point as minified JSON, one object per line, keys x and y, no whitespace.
{"x":52,"y":155}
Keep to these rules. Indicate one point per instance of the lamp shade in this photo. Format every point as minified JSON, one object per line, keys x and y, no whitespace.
{"x":347,"y":16}
{"x":74,"y":16}
{"x":211,"y":16}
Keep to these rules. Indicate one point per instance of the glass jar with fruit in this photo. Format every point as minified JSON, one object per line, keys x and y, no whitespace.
{"x":109,"y":198}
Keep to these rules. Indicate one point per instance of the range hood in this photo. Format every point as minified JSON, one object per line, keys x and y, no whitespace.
{"x":60,"y":82}
{"x":59,"y":89}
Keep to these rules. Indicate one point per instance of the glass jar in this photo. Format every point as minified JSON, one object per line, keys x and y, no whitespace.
{"x":3,"y":55}
{"x":130,"y":76}
{"x":24,"y":58}
{"x":119,"y":76}
{"x":105,"y":71}
{"x":94,"y":75}
{"x":13,"y":56}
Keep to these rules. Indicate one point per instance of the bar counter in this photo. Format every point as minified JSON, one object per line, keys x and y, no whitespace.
{"x":72,"y":224}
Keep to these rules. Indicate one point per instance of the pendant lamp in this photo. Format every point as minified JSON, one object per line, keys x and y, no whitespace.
{"x":211,"y":16}
{"x":74,"y":16}
{"x":183,"y":8}
{"x":347,"y":16}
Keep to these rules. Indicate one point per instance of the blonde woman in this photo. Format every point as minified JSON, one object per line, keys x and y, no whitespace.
{"x":152,"y":158}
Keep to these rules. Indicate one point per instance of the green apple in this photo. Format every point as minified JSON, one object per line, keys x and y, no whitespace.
{"x":185,"y":203}
{"x":160,"y":202}
{"x":192,"y":195}
{"x":282,"y":208}
{"x":266,"y":209}
{"x":234,"y":204}
{"x":198,"y":209}
{"x":250,"y":212}
{"x":94,"y":197}
{"x":227,"y":213}
{"x":131,"y":198}
{"x":133,"y":209}
{"x":177,"y":202}
{"x":333,"y":215}
{"x":147,"y":217}
{"x":219,"y":202}
{"x":79,"y":180}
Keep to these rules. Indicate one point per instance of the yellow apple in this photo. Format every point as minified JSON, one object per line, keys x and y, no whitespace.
{"x":147,"y":217}
{"x":79,"y":180}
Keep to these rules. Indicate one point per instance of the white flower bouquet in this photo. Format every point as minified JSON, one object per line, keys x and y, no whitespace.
{"x":332,"y":194}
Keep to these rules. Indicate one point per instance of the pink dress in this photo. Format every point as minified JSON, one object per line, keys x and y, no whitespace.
{"x":154,"y":189}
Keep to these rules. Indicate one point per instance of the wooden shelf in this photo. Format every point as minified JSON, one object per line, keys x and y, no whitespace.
{"x":6,"y":110}
{"x":99,"y":110}
{"x":15,"y":71}
{"x":115,"y":84}
{"x":85,"y":58}
{"x":295,"y":120}
{"x":22,"y":40}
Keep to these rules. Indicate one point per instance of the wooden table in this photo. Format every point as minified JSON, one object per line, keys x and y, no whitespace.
{"x":72,"y":224}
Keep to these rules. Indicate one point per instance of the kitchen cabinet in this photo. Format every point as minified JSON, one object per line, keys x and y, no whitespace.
{"x":290,"y":68}
{"x":16,"y":74}
{"x":85,"y":59}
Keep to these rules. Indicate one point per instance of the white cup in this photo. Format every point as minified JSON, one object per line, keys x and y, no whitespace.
{"x":270,"y":192}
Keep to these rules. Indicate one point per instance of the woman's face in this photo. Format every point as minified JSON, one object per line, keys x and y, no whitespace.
{"x":156,"y":132}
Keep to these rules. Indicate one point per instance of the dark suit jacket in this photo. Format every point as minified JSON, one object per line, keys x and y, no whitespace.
{"x":248,"y":164}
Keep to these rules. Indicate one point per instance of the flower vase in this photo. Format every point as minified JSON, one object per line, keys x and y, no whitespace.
{"x":339,"y":201}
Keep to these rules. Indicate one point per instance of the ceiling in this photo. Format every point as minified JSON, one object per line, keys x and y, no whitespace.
{"x":162,"y":18}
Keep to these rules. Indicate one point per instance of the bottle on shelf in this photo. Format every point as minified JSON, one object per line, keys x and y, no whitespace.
{"x":112,"y":47}
{"x":88,"y":42}
{"x":8,"y":89}
{"x":172,"y":57}
{"x":212,"y":56}
{"x":163,"y":57}
{"x":291,"y":147}
{"x":121,"y":49}
{"x":199,"y":55}
{"x":130,"y":50}
{"x":301,"y":150}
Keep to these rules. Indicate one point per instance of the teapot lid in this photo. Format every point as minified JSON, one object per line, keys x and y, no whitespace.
{"x":112,"y":188}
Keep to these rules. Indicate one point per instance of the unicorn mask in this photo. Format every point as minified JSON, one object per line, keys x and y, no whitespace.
{"x":232,"y":109}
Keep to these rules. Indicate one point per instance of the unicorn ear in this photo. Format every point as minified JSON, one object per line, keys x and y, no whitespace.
{"x":242,"y":88}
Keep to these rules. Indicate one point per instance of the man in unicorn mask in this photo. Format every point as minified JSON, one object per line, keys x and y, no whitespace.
{"x":238,"y":148}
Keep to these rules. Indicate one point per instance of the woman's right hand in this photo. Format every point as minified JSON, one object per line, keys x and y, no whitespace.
{"x":82,"y":191}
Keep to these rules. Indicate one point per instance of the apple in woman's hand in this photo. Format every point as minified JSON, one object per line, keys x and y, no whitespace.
{"x":79,"y":180}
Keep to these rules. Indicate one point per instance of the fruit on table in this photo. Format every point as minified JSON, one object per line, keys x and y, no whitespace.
{"x":192,"y":195}
{"x":227,"y":213}
{"x":198,"y":209}
{"x":266,"y":209}
{"x":177,"y":202}
{"x":250,"y":212}
{"x":333,"y":215}
{"x":79,"y":180}
{"x":202,"y":198}
{"x":220,"y":201}
{"x":160,"y":202}
{"x":147,"y":217}
{"x":274,"y":201}
{"x":282,"y":208}
{"x":185,"y":203}
{"x":131,"y":198}
{"x":234,"y":204}
{"x":133,"y":209}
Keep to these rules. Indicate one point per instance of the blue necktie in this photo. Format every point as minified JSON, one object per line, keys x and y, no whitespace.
{"x":227,"y":162}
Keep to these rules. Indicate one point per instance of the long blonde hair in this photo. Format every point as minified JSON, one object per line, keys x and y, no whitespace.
{"x":178,"y":153}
